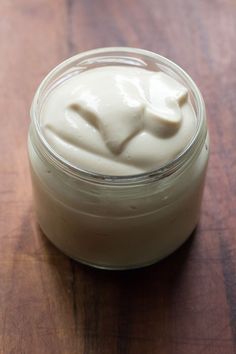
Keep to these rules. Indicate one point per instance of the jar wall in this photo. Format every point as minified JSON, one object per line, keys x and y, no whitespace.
{"x":150,"y":223}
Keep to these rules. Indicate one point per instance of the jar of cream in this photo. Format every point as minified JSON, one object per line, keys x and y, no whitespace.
{"x":118,"y":150}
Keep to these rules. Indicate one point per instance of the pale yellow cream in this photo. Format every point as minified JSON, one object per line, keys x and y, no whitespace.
{"x":118,"y":120}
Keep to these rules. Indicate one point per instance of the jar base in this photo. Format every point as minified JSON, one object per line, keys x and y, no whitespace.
{"x":120,"y":268}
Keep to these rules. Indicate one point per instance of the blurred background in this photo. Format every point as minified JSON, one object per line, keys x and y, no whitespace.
{"x":50,"y":304}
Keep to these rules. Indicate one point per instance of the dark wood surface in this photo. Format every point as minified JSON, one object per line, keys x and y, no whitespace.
{"x":186,"y":303}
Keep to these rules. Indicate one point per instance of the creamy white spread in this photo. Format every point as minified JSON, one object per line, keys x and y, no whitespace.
{"x":118,"y":120}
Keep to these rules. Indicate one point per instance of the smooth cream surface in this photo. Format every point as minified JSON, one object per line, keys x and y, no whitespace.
{"x":118,"y":120}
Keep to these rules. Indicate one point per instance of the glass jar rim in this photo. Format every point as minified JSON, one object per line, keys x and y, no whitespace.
{"x":144,"y":177}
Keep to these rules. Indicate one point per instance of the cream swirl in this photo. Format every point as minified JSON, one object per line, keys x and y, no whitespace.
{"x":118,"y":120}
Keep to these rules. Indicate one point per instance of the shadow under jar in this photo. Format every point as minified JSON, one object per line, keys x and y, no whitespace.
{"x":117,"y":222}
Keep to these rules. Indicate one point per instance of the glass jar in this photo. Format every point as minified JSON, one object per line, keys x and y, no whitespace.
{"x":117,"y":222}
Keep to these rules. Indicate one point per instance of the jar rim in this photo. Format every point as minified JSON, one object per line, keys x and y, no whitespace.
{"x":144,"y":177}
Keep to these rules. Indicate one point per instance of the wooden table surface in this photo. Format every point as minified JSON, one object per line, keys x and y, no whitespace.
{"x":52,"y":305}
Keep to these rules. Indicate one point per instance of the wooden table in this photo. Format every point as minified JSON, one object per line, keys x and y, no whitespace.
{"x":186,"y":303}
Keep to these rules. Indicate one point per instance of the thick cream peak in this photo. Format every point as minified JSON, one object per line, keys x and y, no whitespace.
{"x":119,"y":120}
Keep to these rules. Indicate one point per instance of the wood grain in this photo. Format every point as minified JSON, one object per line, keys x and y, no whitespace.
{"x":50,"y":304}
